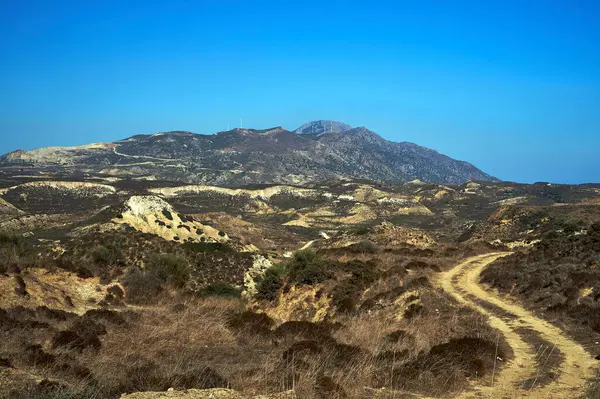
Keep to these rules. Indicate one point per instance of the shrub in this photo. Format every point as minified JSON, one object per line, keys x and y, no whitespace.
{"x":366,"y":247}
{"x":104,"y":256}
{"x":307,"y":267}
{"x":169,"y":268}
{"x":199,"y":247}
{"x":347,"y":294}
{"x":142,"y":287}
{"x":220,"y":290}
{"x":312,"y":273}
{"x":268,"y":287}
{"x":305,"y":256}
{"x":167,"y":214}
{"x":363,"y":273}
{"x":14,"y":251}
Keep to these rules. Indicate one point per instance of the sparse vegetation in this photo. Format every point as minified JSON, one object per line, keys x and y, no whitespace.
{"x":220,"y":290}
{"x":15,"y":251}
{"x":366,"y":246}
{"x":554,"y":274}
{"x":142,"y":286}
{"x":105,"y":256}
{"x":339,"y":320}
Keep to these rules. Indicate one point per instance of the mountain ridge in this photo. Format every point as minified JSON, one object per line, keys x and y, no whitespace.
{"x":306,"y":155}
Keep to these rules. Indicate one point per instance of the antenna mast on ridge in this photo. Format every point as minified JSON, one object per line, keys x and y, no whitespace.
{"x":241,"y":123}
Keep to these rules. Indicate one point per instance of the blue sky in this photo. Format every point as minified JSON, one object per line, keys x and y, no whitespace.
{"x":510,"y":86}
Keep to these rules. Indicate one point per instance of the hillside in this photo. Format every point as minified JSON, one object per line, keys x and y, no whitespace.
{"x":115,"y":285}
{"x":315,"y":152}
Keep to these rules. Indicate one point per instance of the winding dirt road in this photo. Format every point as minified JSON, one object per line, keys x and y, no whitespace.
{"x":520,"y":377}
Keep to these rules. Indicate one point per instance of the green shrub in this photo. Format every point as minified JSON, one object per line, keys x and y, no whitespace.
{"x":312,"y":273}
{"x":220,"y":290}
{"x":363,"y":273}
{"x":15,"y":251}
{"x":167,"y":214}
{"x":105,"y":256}
{"x":268,"y":287}
{"x":305,"y":256}
{"x":281,"y":269}
{"x":198,"y":247}
{"x":306,"y":267}
{"x":20,"y":244}
{"x":170,"y":269}
{"x":345,"y":295}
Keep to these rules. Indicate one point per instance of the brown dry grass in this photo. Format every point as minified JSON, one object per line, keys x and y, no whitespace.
{"x":407,"y":339}
{"x":191,"y":344}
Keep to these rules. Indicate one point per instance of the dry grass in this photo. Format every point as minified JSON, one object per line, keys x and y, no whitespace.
{"x":401,"y":335}
{"x":192,"y":344}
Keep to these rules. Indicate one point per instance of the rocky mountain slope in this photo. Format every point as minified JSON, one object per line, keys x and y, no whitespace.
{"x":315,"y":152}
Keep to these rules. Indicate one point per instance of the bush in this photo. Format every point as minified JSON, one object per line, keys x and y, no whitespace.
{"x":268,"y":287}
{"x":142,"y":287}
{"x":15,"y":251}
{"x":307,"y":268}
{"x":220,"y":290}
{"x":105,"y":256}
{"x":199,"y":247}
{"x":311,"y":274}
{"x":167,"y":214}
{"x":305,"y":256}
{"x":366,"y":247}
{"x":363,"y":273}
{"x":347,"y":294}
{"x":170,"y":269}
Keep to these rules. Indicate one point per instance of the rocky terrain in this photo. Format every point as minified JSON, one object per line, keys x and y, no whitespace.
{"x":115,"y":284}
{"x":315,"y":152}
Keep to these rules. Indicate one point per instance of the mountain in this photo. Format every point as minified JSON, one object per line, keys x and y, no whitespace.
{"x":316,"y":151}
{"x":320,"y":127}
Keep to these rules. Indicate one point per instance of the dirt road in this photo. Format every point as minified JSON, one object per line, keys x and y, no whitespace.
{"x":524,"y":376}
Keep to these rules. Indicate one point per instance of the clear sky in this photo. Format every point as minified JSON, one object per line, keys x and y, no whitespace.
{"x":510,"y":86}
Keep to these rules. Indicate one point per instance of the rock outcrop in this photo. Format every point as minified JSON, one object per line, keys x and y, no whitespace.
{"x":152,"y":214}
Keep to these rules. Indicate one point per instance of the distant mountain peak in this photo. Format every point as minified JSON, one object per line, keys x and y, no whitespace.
{"x":323,"y":126}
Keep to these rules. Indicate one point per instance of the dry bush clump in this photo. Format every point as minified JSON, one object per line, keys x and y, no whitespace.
{"x":16,"y":253}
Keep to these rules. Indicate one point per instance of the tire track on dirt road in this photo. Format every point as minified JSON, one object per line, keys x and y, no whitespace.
{"x":572,"y":373}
